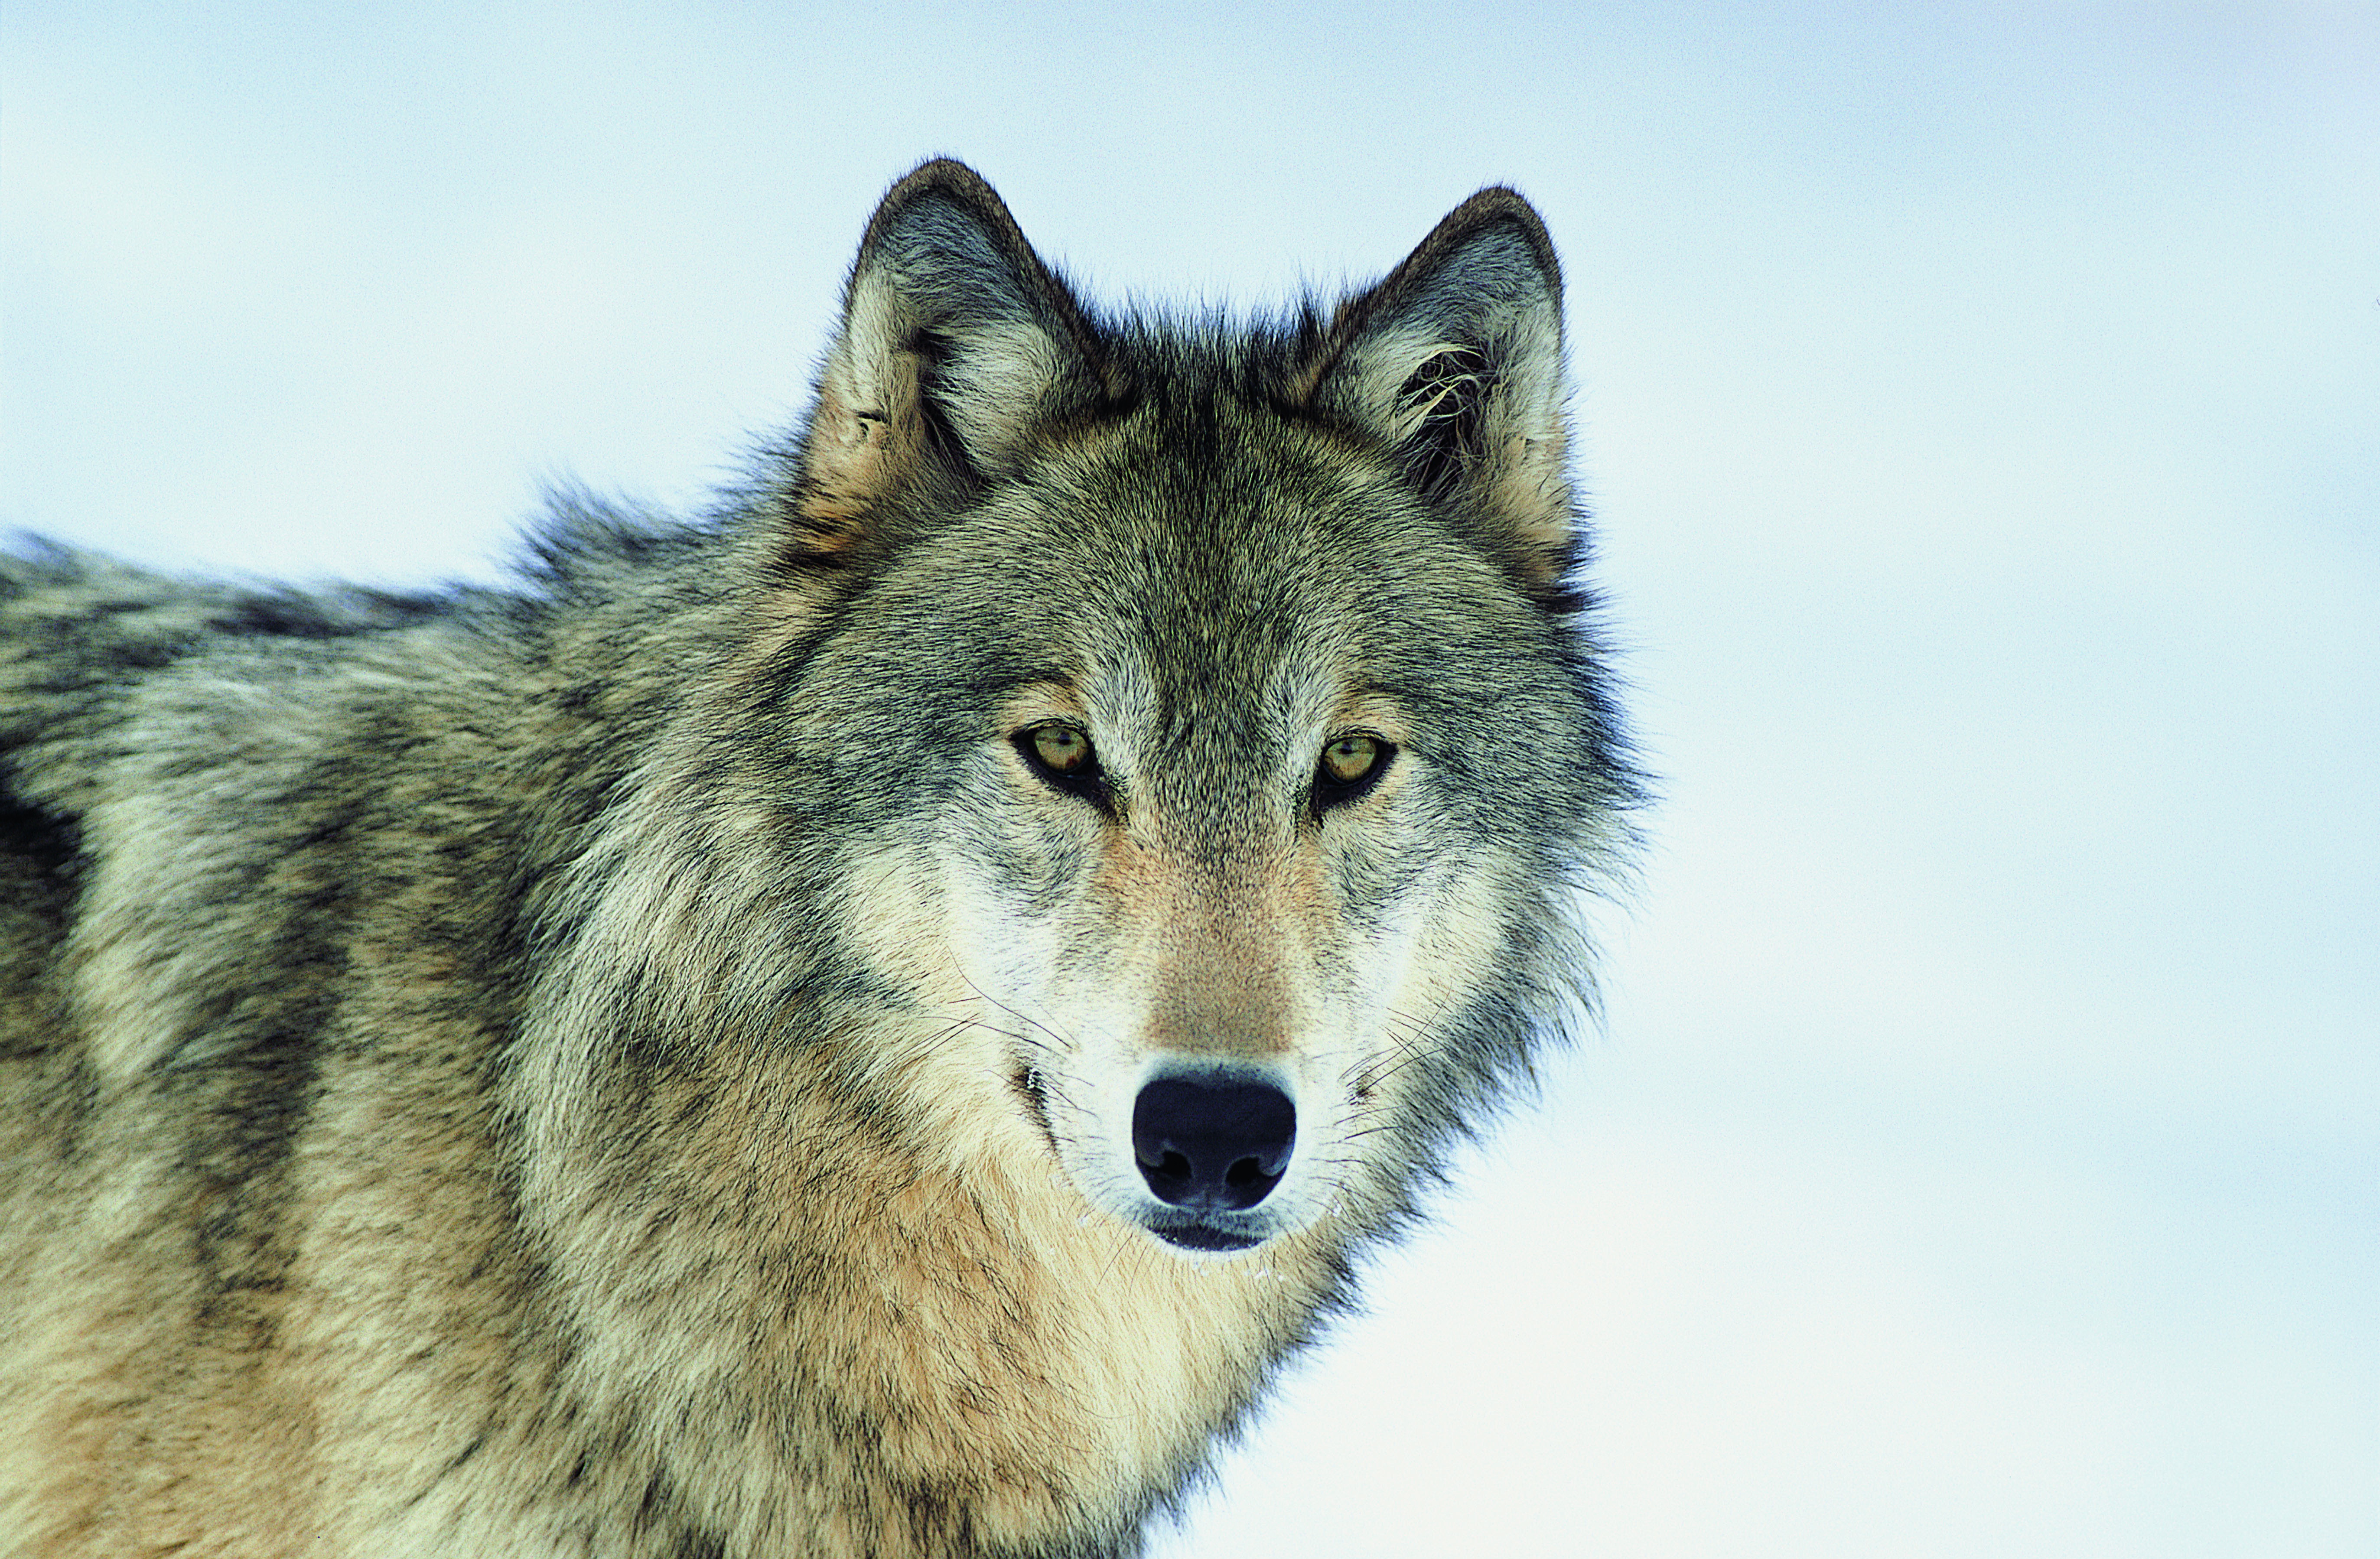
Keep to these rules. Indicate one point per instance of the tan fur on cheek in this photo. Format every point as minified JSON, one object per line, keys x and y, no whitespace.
{"x":1455,"y":946}
{"x":897,"y":919}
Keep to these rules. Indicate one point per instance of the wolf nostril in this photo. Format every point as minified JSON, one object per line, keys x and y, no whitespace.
{"x":1218,"y":1145}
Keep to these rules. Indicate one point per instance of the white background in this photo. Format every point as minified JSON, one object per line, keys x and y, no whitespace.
{"x":1980,"y":404}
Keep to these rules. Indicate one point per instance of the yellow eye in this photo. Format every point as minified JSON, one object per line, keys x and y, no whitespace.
{"x":1351,"y":758}
{"x":1062,"y":748}
{"x":1061,"y":757}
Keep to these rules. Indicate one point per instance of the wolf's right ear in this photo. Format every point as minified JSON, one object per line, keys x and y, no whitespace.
{"x":957,"y":344}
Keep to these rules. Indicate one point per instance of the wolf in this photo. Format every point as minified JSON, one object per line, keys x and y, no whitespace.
{"x":868,"y":1022}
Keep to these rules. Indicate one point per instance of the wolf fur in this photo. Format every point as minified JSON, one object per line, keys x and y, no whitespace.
{"x":659,"y":1061}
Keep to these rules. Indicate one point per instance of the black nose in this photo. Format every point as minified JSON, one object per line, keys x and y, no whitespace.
{"x":1212,"y":1145}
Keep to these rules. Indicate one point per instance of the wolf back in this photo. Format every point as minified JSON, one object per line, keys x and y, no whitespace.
{"x":865,"y":1023}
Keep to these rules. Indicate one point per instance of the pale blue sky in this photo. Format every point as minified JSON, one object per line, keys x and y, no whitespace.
{"x":1981,"y":406}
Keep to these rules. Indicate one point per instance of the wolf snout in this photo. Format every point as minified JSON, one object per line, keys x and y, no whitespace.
{"x":1212,"y":1144}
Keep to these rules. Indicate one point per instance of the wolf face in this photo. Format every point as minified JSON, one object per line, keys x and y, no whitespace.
{"x":1221,"y":697}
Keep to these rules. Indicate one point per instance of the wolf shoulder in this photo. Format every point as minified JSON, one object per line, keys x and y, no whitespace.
{"x":185,"y":765}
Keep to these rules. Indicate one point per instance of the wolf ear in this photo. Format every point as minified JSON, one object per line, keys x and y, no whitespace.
{"x":957,"y":343}
{"x":1455,"y":364}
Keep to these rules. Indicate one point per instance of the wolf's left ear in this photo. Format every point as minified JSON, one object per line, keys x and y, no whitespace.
{"x":958,"y":346}
{"x":1455,"y":363}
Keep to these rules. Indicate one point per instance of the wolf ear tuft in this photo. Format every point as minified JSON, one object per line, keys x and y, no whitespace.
{"x":957,"y":343}
{"x":1455,"y":363}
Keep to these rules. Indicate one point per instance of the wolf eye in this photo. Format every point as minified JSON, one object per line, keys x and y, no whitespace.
{"x":1351,"y":765}
{"x":1351,"y":758}
{"x":1062,"y":748}
{"x":1062,"y":756}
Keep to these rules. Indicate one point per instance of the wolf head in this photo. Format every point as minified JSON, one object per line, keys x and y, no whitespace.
{"x":1155,"y":758}
{"x":1210,"y":711}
